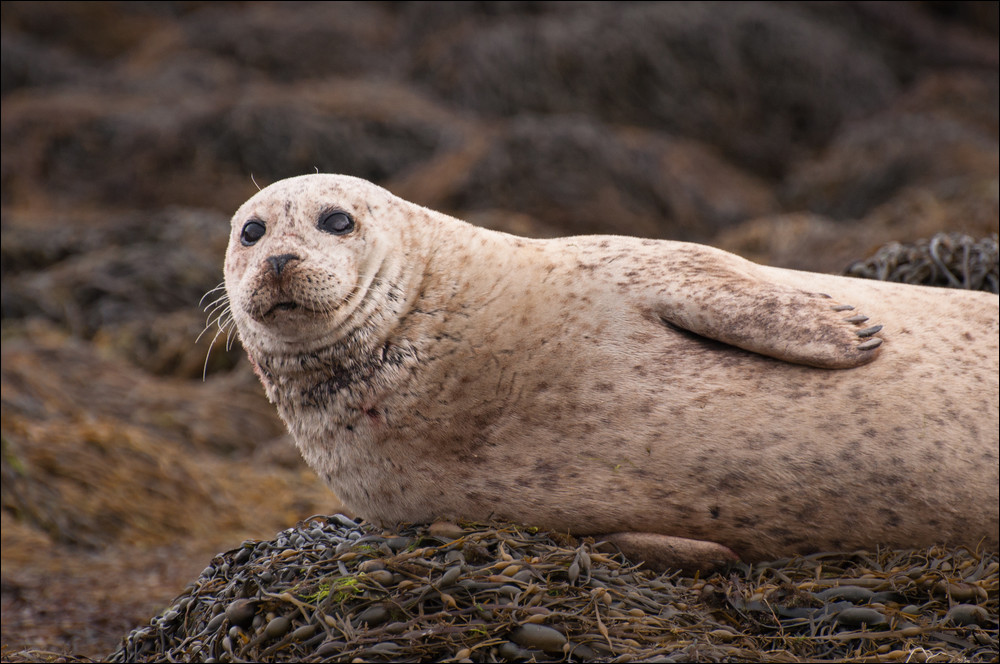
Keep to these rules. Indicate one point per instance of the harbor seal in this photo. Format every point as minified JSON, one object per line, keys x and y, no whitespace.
{"x":679,"y":401}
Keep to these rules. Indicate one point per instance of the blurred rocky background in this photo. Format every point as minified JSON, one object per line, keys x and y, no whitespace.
{"x":803,"y":135}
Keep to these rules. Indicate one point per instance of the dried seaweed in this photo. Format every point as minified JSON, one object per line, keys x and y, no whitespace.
{"x":333,"y":590}
{"x":951,"y":260}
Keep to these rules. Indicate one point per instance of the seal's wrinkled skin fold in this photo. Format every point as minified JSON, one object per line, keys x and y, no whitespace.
{"x":685,"y":402}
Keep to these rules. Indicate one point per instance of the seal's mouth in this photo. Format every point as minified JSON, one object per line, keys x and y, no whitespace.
{"x":281,"y":306}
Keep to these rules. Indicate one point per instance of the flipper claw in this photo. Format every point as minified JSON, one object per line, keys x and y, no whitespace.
{"x":868,"y":331}
{"x":856,"y":319}
{"x":843,"y":307}
{"x":871,"y":344}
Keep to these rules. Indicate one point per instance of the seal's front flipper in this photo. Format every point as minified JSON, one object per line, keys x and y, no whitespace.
{"x":720,"y":296}
{"x":662,"y":552}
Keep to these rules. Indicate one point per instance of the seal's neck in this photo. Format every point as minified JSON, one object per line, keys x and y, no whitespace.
{"x":364,"y":356}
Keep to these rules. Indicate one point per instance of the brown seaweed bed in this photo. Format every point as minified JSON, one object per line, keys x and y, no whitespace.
{"x":951,"y":260}
{"x":331,"y":589}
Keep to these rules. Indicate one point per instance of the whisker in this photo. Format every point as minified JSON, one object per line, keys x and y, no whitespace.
{"x":217,"y":311}
{"x":224,"y":298}
{"x":204,"y":369}
{"x":221,"y":286}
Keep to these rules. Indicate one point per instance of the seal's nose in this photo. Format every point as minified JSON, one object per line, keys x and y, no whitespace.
{"x":279,"y":262}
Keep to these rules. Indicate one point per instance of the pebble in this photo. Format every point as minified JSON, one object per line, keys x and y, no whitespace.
{"x":372,"y":565}
{"x":855,"y":594}
{"x":241,"y":612}
{"x":511,"y":651}
{"x":450,"y":577}
{"x":397,"y":544}
{"x":383,"y":577}
{"x":277,"y":627}
{"x":855,"y":616}
{"x":215,"y":623}
{"x":328,"y":649}
{"x":384,"y":648}
{"x":395,"y":628}
{"x":968,"y":614}
{"x":538,"y":636}
{"x":304,"y":632}
{"x":445,"y":529}
{"x":373,"y":616}
{"x":524,"y":575}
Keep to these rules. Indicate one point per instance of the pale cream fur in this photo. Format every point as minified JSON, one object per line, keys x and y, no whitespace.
{"x":431,"y":368}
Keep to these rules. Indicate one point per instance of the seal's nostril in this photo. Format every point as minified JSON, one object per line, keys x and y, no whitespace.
{"x":279,"y":262}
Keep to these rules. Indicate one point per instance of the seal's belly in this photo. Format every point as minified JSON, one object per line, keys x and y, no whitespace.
{"x":647,"y":429}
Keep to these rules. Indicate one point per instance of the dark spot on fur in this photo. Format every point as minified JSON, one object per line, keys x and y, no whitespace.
{"x":732,"y":482}
{"x":714,"y":511}
{"x":547,"y":468}
{"x":662,"y":494}
{"x":890,"y":518}
{"x":808,"y":512}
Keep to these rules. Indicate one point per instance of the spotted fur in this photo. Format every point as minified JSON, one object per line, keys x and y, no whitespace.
{"x":429,"y":368}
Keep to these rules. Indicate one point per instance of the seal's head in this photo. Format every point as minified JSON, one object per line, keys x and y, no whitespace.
{"x":302,"y":257}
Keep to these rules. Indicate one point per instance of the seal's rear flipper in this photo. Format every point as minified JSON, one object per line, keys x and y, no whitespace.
{"x":720,"y":296}
{"x":662,"y":552}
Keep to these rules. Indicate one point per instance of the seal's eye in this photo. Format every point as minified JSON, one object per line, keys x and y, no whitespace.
{"x":252,"y":231}
{"x":337,"y":223}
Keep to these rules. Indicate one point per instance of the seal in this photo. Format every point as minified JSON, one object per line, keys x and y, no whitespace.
{"x":676,"y":400}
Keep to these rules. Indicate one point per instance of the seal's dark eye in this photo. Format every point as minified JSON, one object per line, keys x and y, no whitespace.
{"x":337,"y":223}
{"x":252,"y":231}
